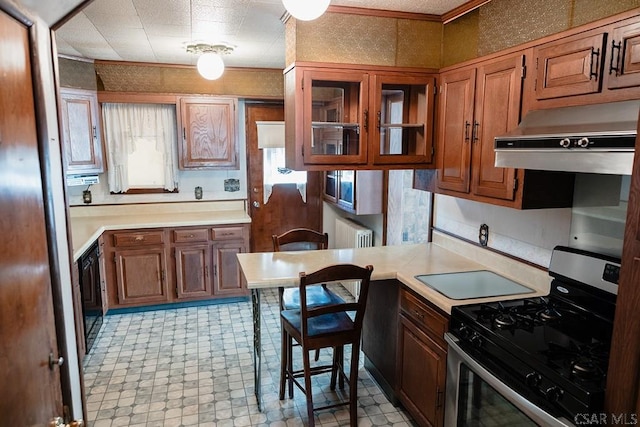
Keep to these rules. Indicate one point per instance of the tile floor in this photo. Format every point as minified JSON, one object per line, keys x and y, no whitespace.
{"x":194,"y":367}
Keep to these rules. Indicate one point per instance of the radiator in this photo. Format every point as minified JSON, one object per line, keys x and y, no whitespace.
{"x":350,"y":234}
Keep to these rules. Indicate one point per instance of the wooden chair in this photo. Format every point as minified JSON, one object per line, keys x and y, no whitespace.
{"x":303,"y":239}
{"x":323,"y":327}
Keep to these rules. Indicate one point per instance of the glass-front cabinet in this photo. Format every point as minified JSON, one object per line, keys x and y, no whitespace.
{"x":335,"y":122}
{"x":404,"y":108}
{"x":358,"y":117}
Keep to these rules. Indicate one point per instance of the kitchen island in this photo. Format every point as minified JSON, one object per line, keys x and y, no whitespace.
{"x":391,"y":265}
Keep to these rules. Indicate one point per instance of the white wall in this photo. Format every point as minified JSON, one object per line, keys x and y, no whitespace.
{"x":527,"y":234}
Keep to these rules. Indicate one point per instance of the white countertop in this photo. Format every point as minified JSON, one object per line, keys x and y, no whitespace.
{"x":89,"y":222}
{"x":403,"y":262}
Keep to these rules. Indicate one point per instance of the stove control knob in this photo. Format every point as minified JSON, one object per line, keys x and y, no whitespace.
{"x":476,"y":340}
{"x":583,"y":142}
{"x":533,"y":379}
{"x":553,"y":394}
{"x":565,"y":142}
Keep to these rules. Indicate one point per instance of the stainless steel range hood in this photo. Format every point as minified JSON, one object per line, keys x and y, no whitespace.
{"x":596,"y":138}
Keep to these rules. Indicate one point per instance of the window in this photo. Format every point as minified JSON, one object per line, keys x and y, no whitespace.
{"x":141,"y":143}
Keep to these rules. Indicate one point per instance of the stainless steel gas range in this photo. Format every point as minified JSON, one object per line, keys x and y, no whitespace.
{"x":535,"y":361}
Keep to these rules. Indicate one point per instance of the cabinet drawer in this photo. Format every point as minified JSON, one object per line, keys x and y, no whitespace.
{"x":424,"y":316}
{"x":182,"y":236}
{"x":138,"y":239}
{"x":227,"y":233}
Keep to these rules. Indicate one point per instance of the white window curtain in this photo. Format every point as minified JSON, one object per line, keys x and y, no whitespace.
{"x":124,"y":124}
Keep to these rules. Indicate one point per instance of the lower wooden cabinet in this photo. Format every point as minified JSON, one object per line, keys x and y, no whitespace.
{"x":156,"y":266}
{"x":141,"y":275}
{"x":227,"y":276}
{"x":421,"y":360}
{"x":193,"y":264}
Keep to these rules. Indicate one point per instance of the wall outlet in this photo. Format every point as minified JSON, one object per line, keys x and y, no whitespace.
{"x":483,"y":237}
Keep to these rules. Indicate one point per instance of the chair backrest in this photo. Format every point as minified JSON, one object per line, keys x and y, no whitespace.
{"x":336,"y":273}
{"x":300,"y":239}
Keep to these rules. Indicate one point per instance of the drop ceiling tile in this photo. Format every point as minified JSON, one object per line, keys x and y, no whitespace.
{"x":168,"y":30}
{"x":110,"y":7}
{"x":78,"y":22}
{"x":107,"y":23}
{"x":177,"y":12}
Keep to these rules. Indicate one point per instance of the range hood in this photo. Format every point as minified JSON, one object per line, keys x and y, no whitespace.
{"x":596,"y":138}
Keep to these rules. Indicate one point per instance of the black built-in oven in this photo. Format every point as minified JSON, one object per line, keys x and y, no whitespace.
{"x":535,"y":361}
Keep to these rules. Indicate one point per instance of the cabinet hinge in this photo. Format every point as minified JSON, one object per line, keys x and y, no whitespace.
{"x":302,"y":83}
{"x":115,"y":258}
{"x":163,"y":275}
{"x":303,"y":151}
{"x":433,"y":151}
{"x":523,"y":72}
{"x":515,"y":184}
{"x":435,"y":89}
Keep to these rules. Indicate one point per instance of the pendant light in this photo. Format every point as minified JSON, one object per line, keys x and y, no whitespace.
{"x":210,"y":64}
{"x":306,"y":10}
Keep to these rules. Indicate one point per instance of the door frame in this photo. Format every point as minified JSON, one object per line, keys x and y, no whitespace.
{"x":44,"y":66}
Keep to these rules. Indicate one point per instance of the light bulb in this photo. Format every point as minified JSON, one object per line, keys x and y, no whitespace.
{"x":210,"y":66}
{"x":306,"y":10}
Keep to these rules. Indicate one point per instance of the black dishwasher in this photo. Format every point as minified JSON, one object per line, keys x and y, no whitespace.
{"x":91,"y":291}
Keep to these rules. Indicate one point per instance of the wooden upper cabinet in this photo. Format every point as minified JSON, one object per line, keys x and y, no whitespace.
{"x":358,"y":117}
{"x":497,"y":111}
{"x":403,"y":108}
{"x":624,"y":60}
{"x":81,"y":134}
{"x":570,"y":66}
{"x":457,"y":91}
{"x":207,"y":133}
{"x":477,"y":104}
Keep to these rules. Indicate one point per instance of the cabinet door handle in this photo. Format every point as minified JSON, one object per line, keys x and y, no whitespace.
{"x":594,"y":53}
{"x":366,"y":119}
{"x":184,"y":133}
{"x":418,"y":314}
{"x":474,"y":132}
{"x":466,"y":130}
{"x":614,"y":47}
{"x":206,"y":271}
{"x":379,"y":119}
{"x":439,"y":400}
{"x":95,"y":133}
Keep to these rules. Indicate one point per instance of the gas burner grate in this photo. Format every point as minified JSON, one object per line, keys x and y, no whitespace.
{"x":582,"y":361}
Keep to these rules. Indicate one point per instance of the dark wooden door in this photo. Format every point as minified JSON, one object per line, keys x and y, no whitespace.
{"x":457,"y":92}
{"x":497,"y":110}
{"x":31,"y":392}
{"x":285,"y":209}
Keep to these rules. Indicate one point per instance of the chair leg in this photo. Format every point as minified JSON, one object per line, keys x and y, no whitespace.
{"x":353,"y":385}
{"x":284,"y":352}
{"x":341,"y":367}
{"x":334,"y":370}
{"x":290,"y":364}
{"x":317,"y":357}
{"x":307,"y":387}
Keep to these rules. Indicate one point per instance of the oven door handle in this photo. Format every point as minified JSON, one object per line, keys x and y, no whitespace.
{"x":528,"y":408}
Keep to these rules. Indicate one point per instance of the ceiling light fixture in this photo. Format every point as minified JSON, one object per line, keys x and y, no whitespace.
{"x":306,"y":10}
{"x":210,"y":64}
